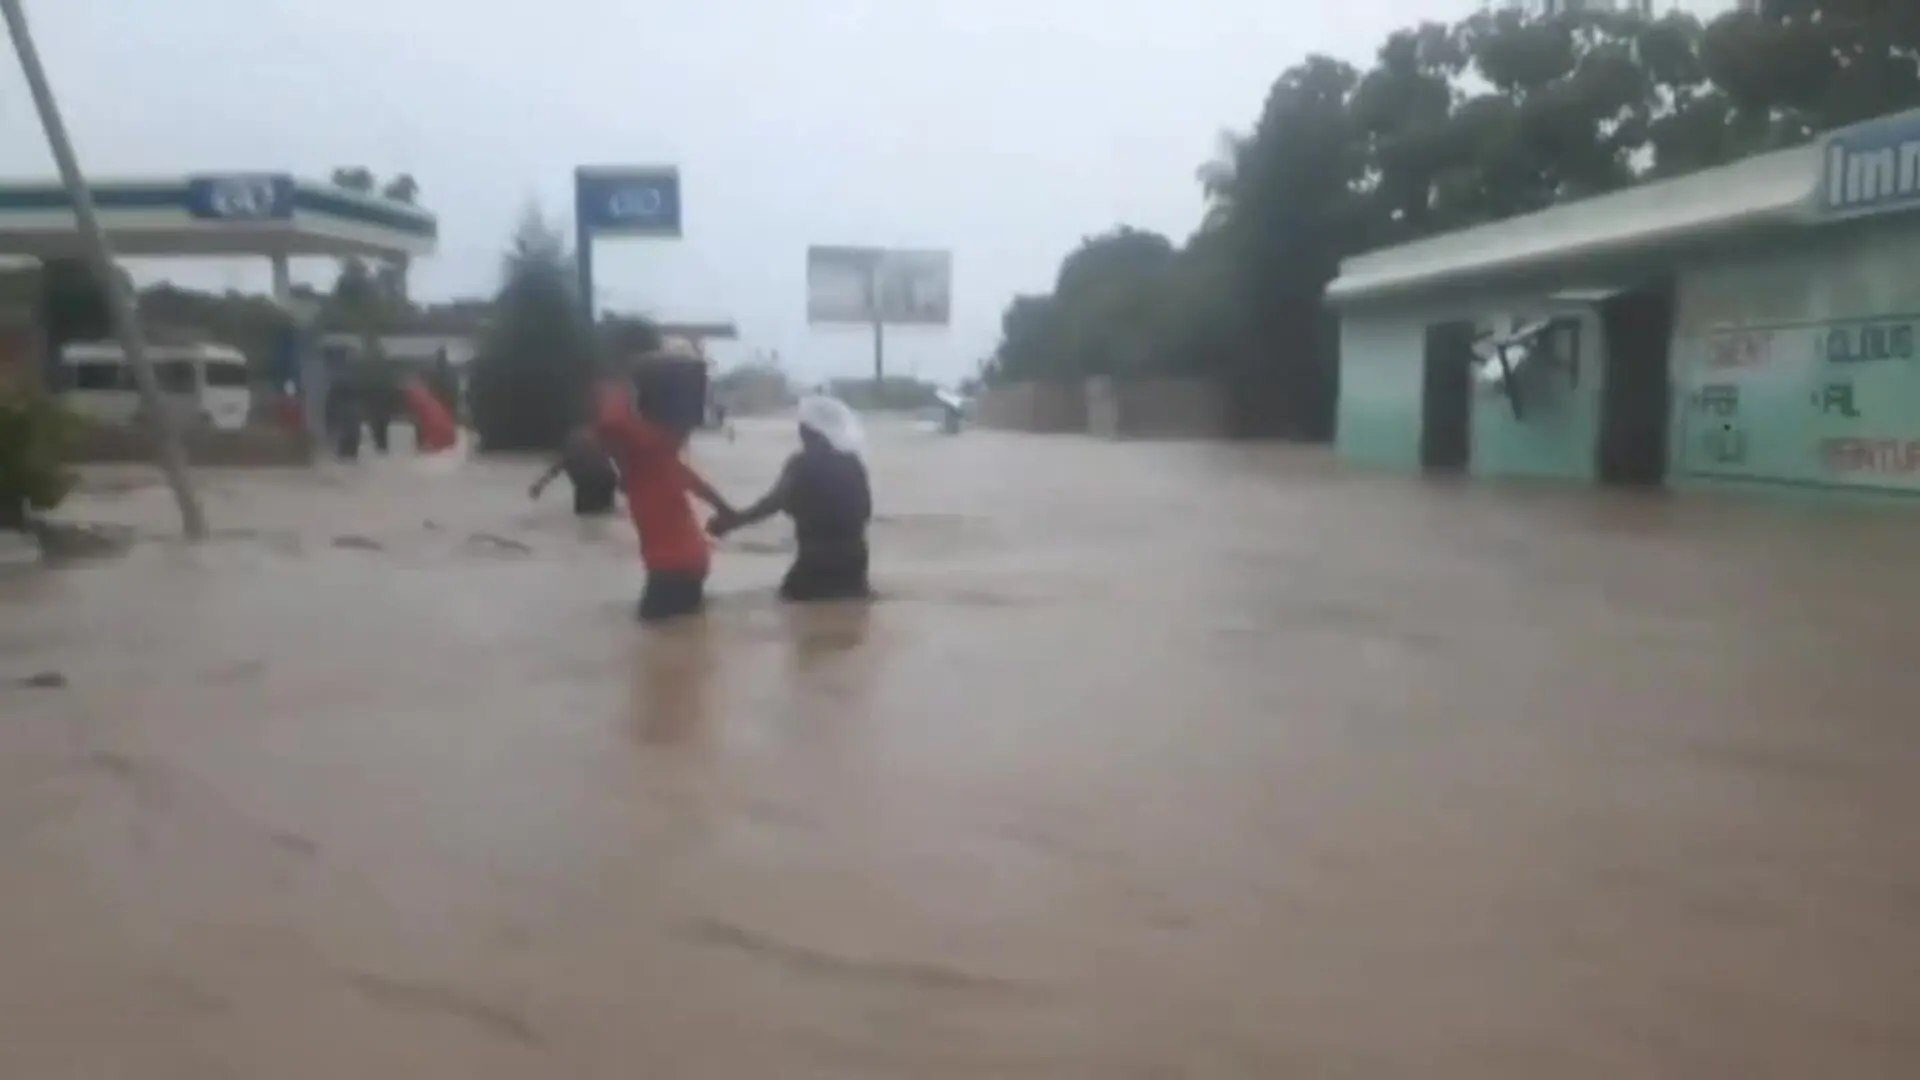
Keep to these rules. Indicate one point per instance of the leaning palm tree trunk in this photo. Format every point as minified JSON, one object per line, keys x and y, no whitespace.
{"x":120,"y":302}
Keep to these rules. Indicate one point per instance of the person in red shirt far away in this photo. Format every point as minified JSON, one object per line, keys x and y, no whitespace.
{"x":658,"y":483}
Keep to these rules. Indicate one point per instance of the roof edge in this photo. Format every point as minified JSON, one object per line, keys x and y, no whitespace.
{"x":1778,"y":187}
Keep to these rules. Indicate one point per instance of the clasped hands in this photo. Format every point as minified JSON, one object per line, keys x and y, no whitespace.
{"x":722,"y":523}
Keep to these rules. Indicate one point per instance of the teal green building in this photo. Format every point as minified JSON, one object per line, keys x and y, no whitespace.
{"x":1753,"y":325}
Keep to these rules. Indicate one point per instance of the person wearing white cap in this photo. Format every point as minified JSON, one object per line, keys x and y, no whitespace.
{"x":824,"y":489}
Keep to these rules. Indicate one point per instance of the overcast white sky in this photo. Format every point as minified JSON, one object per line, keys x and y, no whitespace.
{"x":1003,"y":130}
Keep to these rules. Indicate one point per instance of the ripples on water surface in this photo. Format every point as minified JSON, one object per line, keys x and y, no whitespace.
{"x":1153,"y":760}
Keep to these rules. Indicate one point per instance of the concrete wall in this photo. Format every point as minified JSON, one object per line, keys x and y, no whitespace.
{"x":1041,"y":407}
{"x":1382,"y":369}
{"x":1799,"y":365}
{"x":101,"y":444}
{"x":1155,"y":408}
{"x":1794,"y":364}
{"x":1378,"y":415}
{"x":1110,"y":408}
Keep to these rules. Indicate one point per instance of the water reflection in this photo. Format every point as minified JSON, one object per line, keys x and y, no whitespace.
{"x":1188,"y":760}
{"x":672,"y":685}
{"x":830,"y":659}
{"x":818,"y":633}
{"x":830,"y":662}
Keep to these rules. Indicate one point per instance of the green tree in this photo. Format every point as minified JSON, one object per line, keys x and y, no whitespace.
{"x":1297,"y":206}
{"x":532,"y":376}
{"x":1450,"y":126}
{"x":1029,"y":342}
{"x":1573,"y":104}
{"x":370,"y":296}
{"x":1110,"y":313}
{"x":1110,"y":296}
{"x":251,"y":324}
{"x":35,"y":433}
{"x":1217,"y":176}
{"x":1794,"y":68}
{"x":1402,"y":110}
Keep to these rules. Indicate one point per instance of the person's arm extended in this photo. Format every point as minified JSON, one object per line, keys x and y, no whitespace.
{"x":770,"y":504}
{"x":546,"y":478}
{"x":638,"y":438}
{"x":704,"y":491}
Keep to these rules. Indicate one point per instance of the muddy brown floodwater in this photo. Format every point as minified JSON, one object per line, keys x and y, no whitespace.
{"x":1153,"y":761}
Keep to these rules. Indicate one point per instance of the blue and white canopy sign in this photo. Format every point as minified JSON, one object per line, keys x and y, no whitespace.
{"x":241,"y":197}
{"x":627,"y":200}
{"x":1872,"y":168}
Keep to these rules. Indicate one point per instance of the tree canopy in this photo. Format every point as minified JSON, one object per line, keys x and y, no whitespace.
{"x":1449,"y":126}
{"x":369,"y":294}
{"x":534,"y":370}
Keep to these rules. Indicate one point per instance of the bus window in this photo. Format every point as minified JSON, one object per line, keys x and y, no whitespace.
{"x":226,"y":376}
{"x":176,"y":377}
{"x":98,"y":375}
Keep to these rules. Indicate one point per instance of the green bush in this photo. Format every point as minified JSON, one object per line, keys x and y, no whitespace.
{"x":35,"y":434}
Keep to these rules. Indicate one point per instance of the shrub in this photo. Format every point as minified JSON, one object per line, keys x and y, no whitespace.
{"x":35,"y":434}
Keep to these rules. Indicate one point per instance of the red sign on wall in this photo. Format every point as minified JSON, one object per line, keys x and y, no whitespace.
{"x":1881,"y":456}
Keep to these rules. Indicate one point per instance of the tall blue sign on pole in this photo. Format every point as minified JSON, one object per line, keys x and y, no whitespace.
{"x":617,"y":201}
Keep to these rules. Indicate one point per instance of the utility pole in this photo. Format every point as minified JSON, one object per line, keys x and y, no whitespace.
{"x":120,"y":300}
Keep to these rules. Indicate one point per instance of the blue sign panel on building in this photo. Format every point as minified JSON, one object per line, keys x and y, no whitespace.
{"x":1872,"y":167}
{"x":627,"y":201}
{"x":241,"y":197}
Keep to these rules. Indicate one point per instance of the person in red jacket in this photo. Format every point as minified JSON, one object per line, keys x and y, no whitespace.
{"x":659,"y":487}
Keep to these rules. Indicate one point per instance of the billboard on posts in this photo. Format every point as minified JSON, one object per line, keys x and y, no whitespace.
{"x":862,"y":286}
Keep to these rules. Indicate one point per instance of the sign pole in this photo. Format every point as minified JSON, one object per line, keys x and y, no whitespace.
{"x":879,"y":317}
{"x":583,"y":257}
{"x":120,"y":302}
{"x":619,"y":201}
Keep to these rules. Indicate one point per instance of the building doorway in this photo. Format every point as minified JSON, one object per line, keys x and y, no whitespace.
{"x":1446,"y":399}
{"x":1637,"y":387}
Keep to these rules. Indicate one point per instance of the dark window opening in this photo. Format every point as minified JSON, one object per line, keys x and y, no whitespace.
{"x":98,"y":376}
{"x":1447,"y":397}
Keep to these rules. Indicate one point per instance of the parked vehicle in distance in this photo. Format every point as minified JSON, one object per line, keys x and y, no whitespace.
{"x":204,"y":383}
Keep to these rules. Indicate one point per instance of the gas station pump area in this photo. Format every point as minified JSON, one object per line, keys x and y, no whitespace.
{"x":269,"y":215}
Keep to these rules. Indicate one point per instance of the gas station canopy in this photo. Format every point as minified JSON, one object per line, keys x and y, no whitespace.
{"x":699,"y":331}
{"x":231,"y":214}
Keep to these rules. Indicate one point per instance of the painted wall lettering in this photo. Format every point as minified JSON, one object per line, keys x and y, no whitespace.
{"x":1886,"y":456}
{"x":1724,"y":444}
{"x":1744,"y":349}
{"x":1836,"y":399}
{"x":1869,"y":342}
{"x":1872,"y":166}
{"x":1717,"y":399}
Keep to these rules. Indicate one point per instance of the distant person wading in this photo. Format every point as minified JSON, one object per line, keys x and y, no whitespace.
{"x":590,"y":468}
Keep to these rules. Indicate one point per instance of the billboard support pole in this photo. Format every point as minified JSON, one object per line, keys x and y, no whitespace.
{"x":878,"y":316}
{"x":619,"y":201}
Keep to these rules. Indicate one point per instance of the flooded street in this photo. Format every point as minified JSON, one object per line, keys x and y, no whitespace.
{"x":1153,"y":761}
